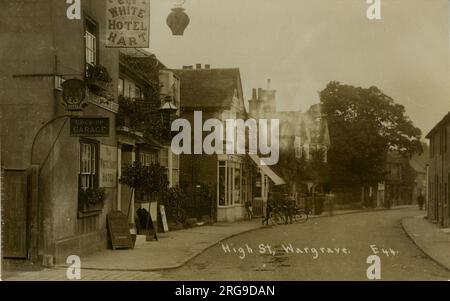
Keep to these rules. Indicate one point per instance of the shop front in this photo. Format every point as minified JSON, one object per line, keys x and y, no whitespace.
{"x":233,"y":188}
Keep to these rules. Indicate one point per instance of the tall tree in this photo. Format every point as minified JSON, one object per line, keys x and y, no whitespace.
{"x":364,"y":125}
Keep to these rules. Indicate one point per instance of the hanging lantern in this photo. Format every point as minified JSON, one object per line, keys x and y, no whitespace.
{"x":178,"y":20}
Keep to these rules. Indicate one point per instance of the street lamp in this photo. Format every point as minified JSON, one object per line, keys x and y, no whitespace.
{"x":167,"y":110}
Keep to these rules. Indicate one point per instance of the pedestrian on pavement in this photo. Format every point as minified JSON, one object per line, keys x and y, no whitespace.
{"x":420,"y":201}
{"x":288,"y":206}
{"x":331,"y":204}
{"x":269,"y":209}
{"x":249,"y":208}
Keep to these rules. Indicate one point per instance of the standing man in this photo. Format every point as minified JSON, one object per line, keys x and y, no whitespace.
{"x":288,"y":206}
{"x":269,"y":208}
{"x":420,"y":201}
{"x":249,"y":207}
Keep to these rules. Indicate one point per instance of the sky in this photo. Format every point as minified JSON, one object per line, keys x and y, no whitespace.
{"x":304,"y":44}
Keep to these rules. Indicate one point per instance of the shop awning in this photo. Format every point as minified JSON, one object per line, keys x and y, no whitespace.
{"x":277,"y":180}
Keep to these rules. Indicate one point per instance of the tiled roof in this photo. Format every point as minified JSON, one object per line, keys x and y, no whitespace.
{"x":208,"y":88}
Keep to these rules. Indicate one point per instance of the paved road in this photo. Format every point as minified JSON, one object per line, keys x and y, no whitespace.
{"x":351,"y":235}
{"x":328,"y":249}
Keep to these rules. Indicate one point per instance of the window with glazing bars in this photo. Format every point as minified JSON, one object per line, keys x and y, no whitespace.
{"x":88,"y":165}
{"x":90,"y":38}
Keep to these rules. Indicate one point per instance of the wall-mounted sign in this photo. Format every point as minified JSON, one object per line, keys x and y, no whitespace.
{"x":89,"y":127}
{"x":108,"y":166}
{"x":127,"y":23}
{"x":74,"y":94}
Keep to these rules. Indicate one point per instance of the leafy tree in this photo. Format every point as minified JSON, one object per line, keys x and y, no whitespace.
{"x":364,"y":125}
{"x":146,"y":180}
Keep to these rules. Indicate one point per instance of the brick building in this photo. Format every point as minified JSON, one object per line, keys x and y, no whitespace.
{"x":45,"y":167}
{"x":229,"y":180}
{"x":50,"y":174}
{"x":439,"y":174}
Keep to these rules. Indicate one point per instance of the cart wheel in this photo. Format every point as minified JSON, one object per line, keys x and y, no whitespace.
{"x":301,"y":217}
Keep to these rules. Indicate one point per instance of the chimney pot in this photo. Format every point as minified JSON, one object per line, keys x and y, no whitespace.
{"x":198,"y":66}
{"x":269,"y":83}
{"x":207,"y":66}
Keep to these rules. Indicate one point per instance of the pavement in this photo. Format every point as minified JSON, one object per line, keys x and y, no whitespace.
{"x":432,"y":240}
{"x":173,"y":250}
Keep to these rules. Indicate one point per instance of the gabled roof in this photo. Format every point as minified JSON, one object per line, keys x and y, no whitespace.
{"x":441,"y":123}
{"x":209,"y":88}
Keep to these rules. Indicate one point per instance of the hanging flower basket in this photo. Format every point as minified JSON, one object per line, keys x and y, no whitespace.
{"x":98,"y":78}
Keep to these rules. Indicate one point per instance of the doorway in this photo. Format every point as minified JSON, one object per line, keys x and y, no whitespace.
{"x":14,"y":207}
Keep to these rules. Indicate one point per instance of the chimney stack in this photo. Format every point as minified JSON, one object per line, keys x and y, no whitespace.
{"x":187,"y":67}
{"x":207,"y":66}
{"x":260,"y":94}
{"x":198,"y":66}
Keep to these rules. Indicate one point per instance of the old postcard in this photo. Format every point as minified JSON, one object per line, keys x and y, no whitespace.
{"x":250,"y":140}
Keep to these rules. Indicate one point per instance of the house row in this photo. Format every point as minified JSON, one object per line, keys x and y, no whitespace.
{"x":438,"y":208}
{"x":62,"y":160}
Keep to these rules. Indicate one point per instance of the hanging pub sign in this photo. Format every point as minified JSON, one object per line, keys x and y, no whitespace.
{"x":89,"y":127}
{"x":74,"y":94}
{"x":128,"y":23}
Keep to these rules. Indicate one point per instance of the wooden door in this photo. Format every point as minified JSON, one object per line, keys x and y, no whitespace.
{"x":14,"y":207}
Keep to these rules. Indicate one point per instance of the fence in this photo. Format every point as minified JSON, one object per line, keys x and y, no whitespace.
{"x":315,"y":205}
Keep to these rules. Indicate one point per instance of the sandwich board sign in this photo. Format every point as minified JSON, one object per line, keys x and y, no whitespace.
{"x":119,"y":230}
{"x":162,"y":211}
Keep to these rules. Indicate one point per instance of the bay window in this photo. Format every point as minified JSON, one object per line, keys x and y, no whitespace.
{"x":231,"y":183}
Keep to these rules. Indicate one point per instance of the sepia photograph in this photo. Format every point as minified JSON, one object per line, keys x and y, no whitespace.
{"x":225,"y":140}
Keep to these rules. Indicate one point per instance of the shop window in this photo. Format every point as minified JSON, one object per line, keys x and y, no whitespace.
{"x":229,"y":185}
{"x":91,"y":39}
{"x":258,"y":186}
{"x":222,"y":182}
{"x":237,"y":186}
{"x":88,"y":165}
